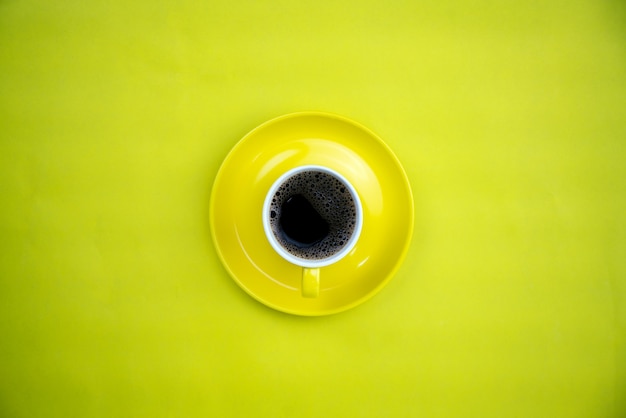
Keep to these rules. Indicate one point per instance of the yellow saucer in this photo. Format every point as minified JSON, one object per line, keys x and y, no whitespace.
{"x":321,"y":139}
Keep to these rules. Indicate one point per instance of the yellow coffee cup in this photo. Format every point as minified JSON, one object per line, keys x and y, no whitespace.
{"x":312,"y":217}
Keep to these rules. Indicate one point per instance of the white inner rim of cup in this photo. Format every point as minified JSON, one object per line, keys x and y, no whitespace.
{"x":269,"y":233}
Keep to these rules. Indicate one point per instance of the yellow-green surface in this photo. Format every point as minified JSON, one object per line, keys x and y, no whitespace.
{"x":509,"y":117}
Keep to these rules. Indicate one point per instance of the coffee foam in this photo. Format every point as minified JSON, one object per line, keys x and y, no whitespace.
{"x":330,"y":198}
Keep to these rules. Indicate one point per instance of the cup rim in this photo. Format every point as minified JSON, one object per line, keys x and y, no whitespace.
{"x":302,"y":262}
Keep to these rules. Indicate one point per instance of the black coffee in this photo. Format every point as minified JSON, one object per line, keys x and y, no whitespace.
{"x":313,"y":215}
{"x":300,"y":222}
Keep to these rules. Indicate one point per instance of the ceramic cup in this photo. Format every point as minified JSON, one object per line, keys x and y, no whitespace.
{"x":312,"y":217}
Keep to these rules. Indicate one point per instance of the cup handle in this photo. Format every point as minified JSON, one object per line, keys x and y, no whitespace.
{"x":310,"y":282}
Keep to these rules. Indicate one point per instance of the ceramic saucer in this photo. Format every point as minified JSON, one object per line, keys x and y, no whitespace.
{"x":319,"y":139}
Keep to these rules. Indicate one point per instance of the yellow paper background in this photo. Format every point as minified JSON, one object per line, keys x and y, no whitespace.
{"x":509,"y":118}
